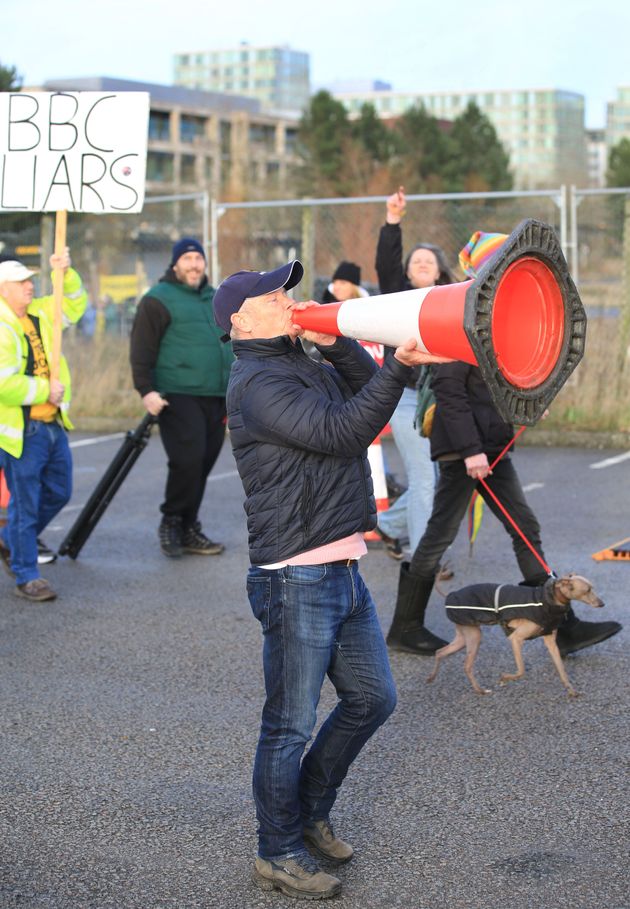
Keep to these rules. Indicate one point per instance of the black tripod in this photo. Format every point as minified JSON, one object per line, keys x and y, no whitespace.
{"x":135,"y":442}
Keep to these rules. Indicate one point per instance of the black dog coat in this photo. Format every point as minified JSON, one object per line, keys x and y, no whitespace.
{"x":497,"y":604}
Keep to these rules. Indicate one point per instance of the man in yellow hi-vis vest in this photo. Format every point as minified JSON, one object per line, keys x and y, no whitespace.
{"x":34,"y":451}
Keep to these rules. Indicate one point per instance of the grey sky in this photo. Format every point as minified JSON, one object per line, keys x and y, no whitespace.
{"x":579,"y":45}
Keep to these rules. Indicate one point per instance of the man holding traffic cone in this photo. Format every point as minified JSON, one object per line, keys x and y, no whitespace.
{"x":300,"y":430}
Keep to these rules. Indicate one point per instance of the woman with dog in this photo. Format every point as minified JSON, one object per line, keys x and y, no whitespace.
{"x":468,"y":435}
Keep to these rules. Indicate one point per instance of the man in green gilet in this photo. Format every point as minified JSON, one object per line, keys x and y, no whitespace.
{"x":180,"y":369}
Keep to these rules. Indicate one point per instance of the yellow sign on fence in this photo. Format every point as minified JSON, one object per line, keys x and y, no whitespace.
{"x":118,"y":287}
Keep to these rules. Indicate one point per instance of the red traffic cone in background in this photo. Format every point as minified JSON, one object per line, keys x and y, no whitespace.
{"x":4,"y":492}
{"x":377,"y":466}
{"x":4,"y":498}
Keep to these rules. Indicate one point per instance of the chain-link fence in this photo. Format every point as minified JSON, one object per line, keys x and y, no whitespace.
{"x":594,"y":231}
{"x":598,"y":395}
{"x":323,"y":232}
{"x":119,"y":256}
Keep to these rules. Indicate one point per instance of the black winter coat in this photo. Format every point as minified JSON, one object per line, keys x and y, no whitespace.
{"x":466,"y":422}
{"x":299,"y":431}
{"x":389,"y":260}
{"x":391,"y":274}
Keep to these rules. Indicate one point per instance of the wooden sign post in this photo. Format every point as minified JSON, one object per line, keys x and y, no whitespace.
{"x":61,"y":229}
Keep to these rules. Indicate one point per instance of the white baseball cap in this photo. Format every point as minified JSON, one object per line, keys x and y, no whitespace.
{"x":13,"y":270}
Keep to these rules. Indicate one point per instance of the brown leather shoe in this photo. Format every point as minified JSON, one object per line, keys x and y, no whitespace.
{"x":299,"y":877}
{"x":36,"y":590}
{"x":320,"y":838}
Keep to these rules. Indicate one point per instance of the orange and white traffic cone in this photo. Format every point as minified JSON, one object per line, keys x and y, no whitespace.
{"x":520,"y":321}
{"x":377,"y":466}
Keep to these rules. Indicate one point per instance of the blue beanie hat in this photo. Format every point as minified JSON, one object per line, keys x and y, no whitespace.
{"x":186,"y":244}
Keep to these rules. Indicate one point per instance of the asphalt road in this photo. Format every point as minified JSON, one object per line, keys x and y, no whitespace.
{"x":130,"y":710}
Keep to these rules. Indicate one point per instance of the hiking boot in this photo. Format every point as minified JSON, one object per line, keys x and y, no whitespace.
{"x":320,"y":838}
{"x":5,"y":558}
{"x":196,"y":542}
{"x":36,"y":591}
{"x":44,"y":554}
{"x":582,"y":634}
{"x":392,"y":546}
{"x":171,"y":534}
{"x":298,"y":876}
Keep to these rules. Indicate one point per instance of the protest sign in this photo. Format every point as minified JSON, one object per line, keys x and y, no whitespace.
{"x":73,"y":151}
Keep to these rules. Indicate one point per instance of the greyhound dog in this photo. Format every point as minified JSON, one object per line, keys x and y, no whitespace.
{"x":523,"y":612}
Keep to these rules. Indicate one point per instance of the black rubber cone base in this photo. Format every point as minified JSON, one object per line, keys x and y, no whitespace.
{"x":525,"y":323}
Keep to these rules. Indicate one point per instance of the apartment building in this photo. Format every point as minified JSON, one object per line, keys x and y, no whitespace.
{"x":597,"y":157}
{"x":542,"y":130}
{"x":277,"y":76}
{"x":618,"y":117}
{"x":199,"y":140}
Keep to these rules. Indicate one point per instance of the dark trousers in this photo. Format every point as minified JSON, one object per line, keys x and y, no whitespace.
{"x":192,"y":432}
{"x":452,"y":496}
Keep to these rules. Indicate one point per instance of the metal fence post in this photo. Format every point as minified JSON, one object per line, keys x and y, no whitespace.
{"x":575,"y":251}
{"x":214,"y":243}
{"x":308,"y":251}
{"x":624,"y":327}
{"x":205,"y":200}
{"x":561,"y":202}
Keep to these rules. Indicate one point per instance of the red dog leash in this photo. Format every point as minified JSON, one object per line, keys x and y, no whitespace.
{"x":503,"y":510}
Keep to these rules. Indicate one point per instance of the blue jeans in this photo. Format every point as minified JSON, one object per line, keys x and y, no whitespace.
{"x":40,"y":484}
{"x":317,"y":620}
{"x":409,"y":514}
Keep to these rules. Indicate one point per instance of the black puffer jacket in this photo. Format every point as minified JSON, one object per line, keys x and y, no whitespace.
{"x":299,"y":431}
{"x":466,"y":422}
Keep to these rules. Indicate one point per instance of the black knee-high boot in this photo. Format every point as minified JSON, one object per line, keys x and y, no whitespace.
{"x":407,"y":630}
{"x":576,"y":634}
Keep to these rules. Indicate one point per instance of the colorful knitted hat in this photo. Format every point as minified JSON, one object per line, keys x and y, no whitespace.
{"x":480,"y":249}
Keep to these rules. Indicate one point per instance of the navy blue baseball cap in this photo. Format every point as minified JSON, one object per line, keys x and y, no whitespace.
{"x":233,"y":291}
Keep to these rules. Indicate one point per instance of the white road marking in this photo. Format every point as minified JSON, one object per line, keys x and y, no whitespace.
{"x":121,"y":435}
{"x":223,"y":476}
{"x":608,"y":462}
{"x":532,"y":486}
{"x":81,"y":442}
{"x":218,"y":476}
